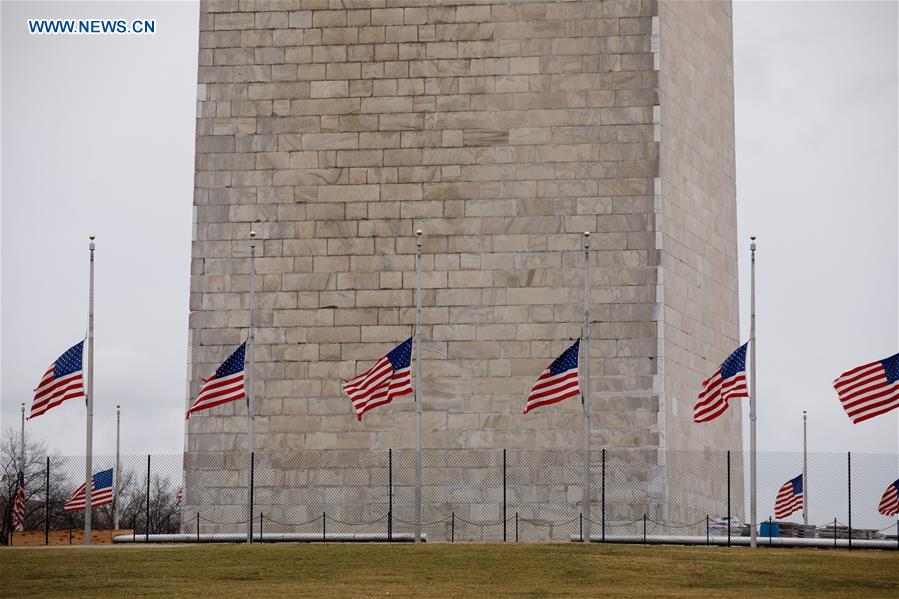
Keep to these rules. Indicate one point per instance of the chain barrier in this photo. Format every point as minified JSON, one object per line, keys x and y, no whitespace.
{"x":342,"y":484}
{"x":676,"y":526}
{"x":384,"y":517}
{"x":395,"y":519}
{"x":550,"y":525}
{"x":613,"y":524}
{"x":273,"y":521}
{"x":486,"y":523}
{"x":208,"y":521}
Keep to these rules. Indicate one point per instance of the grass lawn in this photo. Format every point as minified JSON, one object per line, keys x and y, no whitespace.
{"x":460,"y":570}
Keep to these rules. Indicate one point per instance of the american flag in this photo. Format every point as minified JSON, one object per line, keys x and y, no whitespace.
{"x":728,"y":382}
{"x":180,"y":496}
{"x":390,"y":377}
{"x":870,"y":390}
{"x":227,"y":384}
{"x":101,"y":492}
{"x":18,"y":510}
{"x":559,"y":381}
{"x":62,"y":381}
{"x":789,"y":498}
{"x":889,"y":503}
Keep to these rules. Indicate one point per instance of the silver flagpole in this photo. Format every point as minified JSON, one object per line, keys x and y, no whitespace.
{"x":416,"y":345}
{"x":118,"y":467}
{"x":23,"y":437}
{"x":586,"y":394}
{"x":804,"y":469}
{"x":88,"y":457}
{"x":251,"y":403}
{"x":752,"y":404}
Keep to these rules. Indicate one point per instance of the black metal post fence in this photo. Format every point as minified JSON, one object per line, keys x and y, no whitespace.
{"x":728,"y":499}
{"x":505,"y":519}
{"x":390,"y":495}
{"x":516,"y":527}
{"x":47,"y":504}
{"x":147,"y":531}
{"x":468,"y":495}
{"x":849,"y":493}
{"x":252,"y":487}
{"x":603,"y":497}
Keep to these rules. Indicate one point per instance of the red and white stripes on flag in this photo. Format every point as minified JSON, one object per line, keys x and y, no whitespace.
{"x":889,"y":503}
{"x":789,"y":498}
{"x":62,"y":381}
{"x":390,"y":377}
{"x":18,"y":510}
{"x":559,"y":381}
{"x":227,"y":384}
{"x":870,"y":390}
{"x":728,"y":382}
{"x":101,"y":492}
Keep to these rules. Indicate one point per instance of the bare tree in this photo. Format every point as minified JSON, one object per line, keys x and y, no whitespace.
{"x":35,"y":471}
{"x":66,"y":474}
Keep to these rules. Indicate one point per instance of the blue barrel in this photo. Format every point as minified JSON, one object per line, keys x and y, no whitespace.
{"x":769,"y":529}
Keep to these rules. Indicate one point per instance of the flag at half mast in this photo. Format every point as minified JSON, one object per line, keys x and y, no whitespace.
{"x":789,"y":498}
{"x":18,"y":510}
{"x":62,"y":381}
{"x":227,"y":384}
{"x":559,"y":381}
{"x":889,"y":503}
{"x":870,"y":390}
{"x":390,"y":377}
{"x":728,"y":382}
{"x":101,"y":492}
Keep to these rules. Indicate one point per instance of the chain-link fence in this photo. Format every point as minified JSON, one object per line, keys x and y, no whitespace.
{"x":466,"y":495}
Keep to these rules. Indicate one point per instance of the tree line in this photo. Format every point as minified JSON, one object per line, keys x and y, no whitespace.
{"x":164,"y":509}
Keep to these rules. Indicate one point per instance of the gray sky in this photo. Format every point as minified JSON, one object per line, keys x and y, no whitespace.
{"x":98,"y":137}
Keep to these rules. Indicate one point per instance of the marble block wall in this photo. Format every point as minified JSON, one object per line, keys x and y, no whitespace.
{"x":503,"y":130}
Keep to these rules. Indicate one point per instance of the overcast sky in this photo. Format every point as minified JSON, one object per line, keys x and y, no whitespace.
{"x":98,"y":137}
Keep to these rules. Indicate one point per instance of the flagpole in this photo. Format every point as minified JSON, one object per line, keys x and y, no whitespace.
{"x":417,"y":347}
{"x":752,"y":402}
{"x":23,"y":437}
{"x":804,"y":470}
{"x":251,"y":403}
{"x":118,"y":467}
{"x":586,"y":394}
{"x":89,"y":441}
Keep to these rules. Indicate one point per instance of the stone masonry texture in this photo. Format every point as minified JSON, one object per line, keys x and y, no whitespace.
{"x":503,"y":130}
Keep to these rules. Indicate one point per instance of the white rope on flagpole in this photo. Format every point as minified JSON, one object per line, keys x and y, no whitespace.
{"x":752,"y":406}
{"x":251,"y":403}
{"x":586,"y":390}
{"x":89,"y":436}
{"x":118,"y":467}
{"x":22,"y":468}
{"x":804,"y":469}
{"x":416,"y":345}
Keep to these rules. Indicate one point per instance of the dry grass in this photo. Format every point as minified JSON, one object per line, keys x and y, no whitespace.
{"x":460,"y":570}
